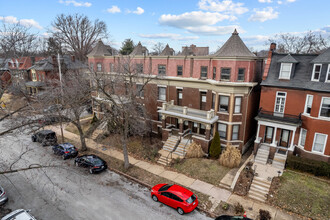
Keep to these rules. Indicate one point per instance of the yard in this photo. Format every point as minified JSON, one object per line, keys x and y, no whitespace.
{"x":302,"y":194}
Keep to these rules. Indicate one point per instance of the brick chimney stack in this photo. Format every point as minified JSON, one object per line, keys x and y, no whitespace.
{"x":272,"y":49}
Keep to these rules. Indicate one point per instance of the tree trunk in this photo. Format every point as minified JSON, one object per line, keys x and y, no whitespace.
{"x":124,"y":142}
{"x":82,"y":137}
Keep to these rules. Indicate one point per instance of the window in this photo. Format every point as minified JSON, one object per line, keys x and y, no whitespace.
{"x":99,"y":67}
{"x":176,"y":198}
{"x":213,"y":100}
{"x":316,"y":72}
{"x":319,"y":142}
{"x":280,"y":103}
{"x":308,"y":104}
{"x":34,"y":75}
{"x":140,"y":91}
{"x":325,"y":107}
{"x":179,"y":96}
{"x":179,"y":69}
{"x":222,"y":129}
{"x":195,"y":126}
{"x":327,"y":78}
{"x":139,"y":67}
{"x":203,"y":71}
{"x":202,"y":100}
{"x":234,"y":136}
{"x":161,"y":69}
{"x":159,"y":116}
{"x":214,"y":72}
{"x":285,"y":71}
{"x":241,"y":74}
{"x":223,"y":103}
{"x":238,"y":102}
{"x":162,"y":93}
{"x":225,"y":74}
{"x":302,"y":140}
{"x":111,"y":67}
{"x":91,"y":65}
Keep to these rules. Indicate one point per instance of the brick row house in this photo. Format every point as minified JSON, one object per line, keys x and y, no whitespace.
{"x":200,"y":93}
{"x":294,"y":114}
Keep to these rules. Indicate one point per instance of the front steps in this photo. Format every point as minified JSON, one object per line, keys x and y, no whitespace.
{"x":180,"y":150}
{"x":170,"y":143}
{"x":262,"y":155}
{"x":279,"y":161}
{"x":169,"y":146}
{"x":259,"y":189}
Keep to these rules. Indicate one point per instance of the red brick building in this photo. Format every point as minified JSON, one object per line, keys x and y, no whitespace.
{"x":201,"y":93}
{"x":294,"y":113}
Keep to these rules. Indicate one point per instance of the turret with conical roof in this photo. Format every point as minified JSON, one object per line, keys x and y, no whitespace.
{"x":168,"y":51}
{"x":234,"y":47}
{"x":139,"y":50}
{"x":101,"y":50}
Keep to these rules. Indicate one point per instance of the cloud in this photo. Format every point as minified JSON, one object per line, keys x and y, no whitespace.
{"x":171,"y":36}
{"x":24,"y":22}
{"x":214,"y":30}
{"x":226,"y":6}
{"x":138,"y":11}
{"x":75,"y":3}
{"x":265,"y":1}
{"x":114,"y":9}
{"x":264,"y":15}
{"x":285,"y":1}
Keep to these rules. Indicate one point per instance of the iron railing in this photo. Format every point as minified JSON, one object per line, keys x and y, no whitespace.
{"x":295,"y":119}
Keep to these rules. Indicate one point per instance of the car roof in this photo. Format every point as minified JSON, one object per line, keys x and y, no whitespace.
{"x":180,"y":191}
{"x":46,"y":131}
{"x":66,"y":145}
{"x":19,"y":214}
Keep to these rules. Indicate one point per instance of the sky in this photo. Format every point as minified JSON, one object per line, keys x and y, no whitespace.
{"x":179,"y":22}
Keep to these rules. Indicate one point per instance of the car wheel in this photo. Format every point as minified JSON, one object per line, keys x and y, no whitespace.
{"x":76,"y":163}
{"x":180,"y":211}
{"x":91,"y":171}
{"x":64,"y":157}
{"x":33,"y":139}
{"x":155,"y":198}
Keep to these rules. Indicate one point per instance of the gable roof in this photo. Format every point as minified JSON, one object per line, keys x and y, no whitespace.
{"x":48,"y":64}
{"x":192,"y":50}
{"x":139,"y":50}
{"x":101,"y":50}
{"x":287,"y":59}
{"x":168,"y":51}
{"x":234,"y":47}
{"x":323,"y":57}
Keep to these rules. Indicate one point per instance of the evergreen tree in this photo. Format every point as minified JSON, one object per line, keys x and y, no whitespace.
{"x":127,"y":47}
{"x":215,"y":148}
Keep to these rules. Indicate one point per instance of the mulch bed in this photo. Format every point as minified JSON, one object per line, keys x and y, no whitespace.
{"x":244,"y":181}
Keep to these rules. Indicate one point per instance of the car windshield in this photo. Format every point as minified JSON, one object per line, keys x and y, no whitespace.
{"x":191,"y":199}
{"x":96,"y":161}
{"x":50,"y":136}
{"x":165,"y":187}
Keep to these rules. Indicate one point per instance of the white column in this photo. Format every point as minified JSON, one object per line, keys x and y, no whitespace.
{"x":274,"y":137}
{"x":257,"y":136}
{"x":291,"y":145}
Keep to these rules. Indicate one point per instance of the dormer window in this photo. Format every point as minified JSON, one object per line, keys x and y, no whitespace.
{"x":285,"y":71}
{"x":327,"y":79}
{"x":316,"y":72}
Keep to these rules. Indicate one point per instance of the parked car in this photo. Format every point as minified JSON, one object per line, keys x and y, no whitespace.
{"x":229,"y":217}
{"x":66,"y":150}
{"x":3,"y":196}
{"x":92,"y":162}
{"x":45,"y":137}
{"x":19,"y":214}
{"x":175,"y":196}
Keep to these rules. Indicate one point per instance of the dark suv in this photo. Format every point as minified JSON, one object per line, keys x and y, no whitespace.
{"x":66,"y":150}
{"x":45,"y":137}
{"x":92,"y":162}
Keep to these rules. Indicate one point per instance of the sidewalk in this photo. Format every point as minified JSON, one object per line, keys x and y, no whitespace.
{"x":216,"y":194}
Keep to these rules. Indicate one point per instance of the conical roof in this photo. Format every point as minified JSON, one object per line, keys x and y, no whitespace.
{"x":234,"y":47}
{"x":139,"y":50}
{"x":323,"y":57}
{"x":167,"y":51}
{"x":287,"y":59}
{"x":101,"y":50}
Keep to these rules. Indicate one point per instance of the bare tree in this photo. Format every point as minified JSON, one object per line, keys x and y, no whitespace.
{"x":77,"y":34}
{"x":308,"y":43}
{"x":119,"y":99}
{"x":158,"y":48}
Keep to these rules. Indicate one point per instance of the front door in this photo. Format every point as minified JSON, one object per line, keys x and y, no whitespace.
{"x":269,"y":134}
{"x":285,"y":137}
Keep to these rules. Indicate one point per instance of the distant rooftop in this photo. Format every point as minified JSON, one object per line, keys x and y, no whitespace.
{"x":192,"y":50}
{"x":139,"y":50}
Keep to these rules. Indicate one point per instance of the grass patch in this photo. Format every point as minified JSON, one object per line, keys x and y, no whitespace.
{"x":73,"y":129}
{"x":303,"y":194}
{"x":207,"y":170}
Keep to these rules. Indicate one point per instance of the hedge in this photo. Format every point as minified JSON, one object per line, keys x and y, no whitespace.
{"x":318,"y":168}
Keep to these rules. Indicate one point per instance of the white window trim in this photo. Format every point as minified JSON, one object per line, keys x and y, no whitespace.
{"x":321,"y":108}
{"x":305,"y":109}
{"x":314,"y":72}
{"x":281,"y":77}
{"x":300,"y":137}
{"x":284,"y":102}
{"x":325,"y":143}
{"x":240,"y":105}
{"x":328,"y":73}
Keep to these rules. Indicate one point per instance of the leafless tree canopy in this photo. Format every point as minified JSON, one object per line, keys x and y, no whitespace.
{"x":158,"y":48}
{"x":77,"y":34}
{"x":309,"y":43}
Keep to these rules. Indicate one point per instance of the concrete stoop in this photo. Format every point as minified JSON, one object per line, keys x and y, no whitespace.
{"x":279,"y":161}
{"x":225,"y":186}
{"x":262,"y":156}
{"x":259,"y":189}
{"x":170,"y":143}
{"x":180,"y":150}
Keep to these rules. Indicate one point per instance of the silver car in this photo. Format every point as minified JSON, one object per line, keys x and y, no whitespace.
{"x":3,"y":196}
{"x":20,"y":214}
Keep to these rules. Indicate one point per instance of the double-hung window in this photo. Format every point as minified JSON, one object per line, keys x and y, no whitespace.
{"x":99,"y":67}
{"x":238,"y":103}
{"x":140,"y":92}
{"x":225,"y":74}
{"x":179,"y":70}
{"x":162,"y":93}
{"x":320,"y":141}
{"x":303,"y":134}
{"x":213,"y":100}
{"x":214,"y":72}
{"x":285,"y":71}
{"x":203,"y":72}
{"x":308,"y":104}
{"x":241,"y":74}
{"x":234,"y":135}
{"x":161,"y":69}
{"x":280,"y":103}
{"x":223,"y":103}
{"x":316,"y":72}
{"x":325,"y":107}
{"x":222,"y":129}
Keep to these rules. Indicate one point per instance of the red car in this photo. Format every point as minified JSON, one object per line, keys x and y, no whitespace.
{"x":177,"y":197}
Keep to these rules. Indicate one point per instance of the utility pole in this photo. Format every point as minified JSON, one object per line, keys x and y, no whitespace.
{"x":59,"y":110}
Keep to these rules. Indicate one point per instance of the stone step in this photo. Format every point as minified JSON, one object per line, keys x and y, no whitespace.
{"x":261,"y":185}
{"x":256,"y":198}
{"x":257,"y":188}
{"x":261,"y":161}
{"x":261,"y":158}
{"x":257,"y":192}
{"x":279,"y":160}
{"x":281,"y":155}
{"x":260,"y":151}
{"x":259,"y":179}
{"x":278,"y":165}
{"x":225,"y":186}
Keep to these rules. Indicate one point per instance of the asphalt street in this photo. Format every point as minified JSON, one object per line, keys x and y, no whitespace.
{"x":63,"y":191}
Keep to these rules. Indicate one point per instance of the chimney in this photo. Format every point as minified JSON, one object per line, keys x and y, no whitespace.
{"x":73,"y":58}
{"x":54,"y":60}
{"x":33,"y":60}
{"x":272,"y":47}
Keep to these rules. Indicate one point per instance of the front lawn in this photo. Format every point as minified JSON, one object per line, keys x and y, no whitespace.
{"x":207,"y":170}
{"x":302,"y":194}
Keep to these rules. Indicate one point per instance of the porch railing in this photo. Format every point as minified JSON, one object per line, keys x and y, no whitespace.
{"x":296,"y":119}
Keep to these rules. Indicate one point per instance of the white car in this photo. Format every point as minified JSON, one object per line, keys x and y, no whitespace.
{"x":19,"y":214}
{"x":3,"y":196}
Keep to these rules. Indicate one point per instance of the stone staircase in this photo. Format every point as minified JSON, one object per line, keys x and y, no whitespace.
{"x":168,"y":147}
{"x":180,"y":151}
{"x":170,"y":143}
{"x":262,"y":155}
{"x":279,"y":160}
{"x":259,"y":189}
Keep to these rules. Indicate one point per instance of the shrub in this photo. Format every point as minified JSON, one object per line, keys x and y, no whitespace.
{"x":231,"y":157}
{"x":225,"y":206}
{"x":264,"y":215}
{"x":238,"y":208}
{"x":94,"y":119}
{"x":215,"y":148}
{"x":318,"y":168}
{"x":194,"y":151}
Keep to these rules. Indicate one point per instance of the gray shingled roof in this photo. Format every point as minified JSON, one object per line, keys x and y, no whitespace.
{"x":288,"y":59}
{"x":35,"y":84}
{"x":301,"y":75}
{"x":234,"y":47}
{"x":101,"y":50}
{"x":139,"y":50}
{"x":323,"y":57}
{"x":66,"y":62}
{"x":168,"y":51}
